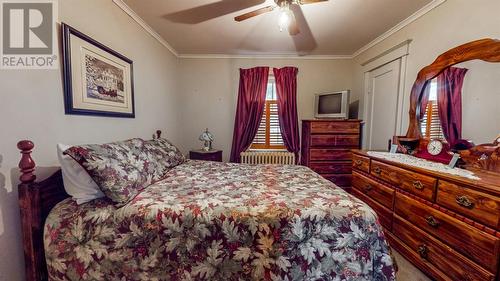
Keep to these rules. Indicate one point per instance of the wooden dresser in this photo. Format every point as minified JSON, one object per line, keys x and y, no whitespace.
{"x":447,"y":226}
{"x":326,"y":146}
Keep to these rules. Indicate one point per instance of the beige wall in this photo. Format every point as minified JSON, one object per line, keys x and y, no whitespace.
{"x":209,"y":90}
{"x":453,"y":23}
{"x":31,"y":106}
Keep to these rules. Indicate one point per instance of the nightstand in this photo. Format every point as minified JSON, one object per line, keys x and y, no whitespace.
{"x":212,"y":155}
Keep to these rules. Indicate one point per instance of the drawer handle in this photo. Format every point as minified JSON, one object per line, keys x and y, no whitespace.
{"x":368,"y":188}
{"x":418,"y":185}
{"x":432,"y":221}
{"x":423,"y":251}
{"x":464,"y":201}
{"x":358,"y":162}
{"x":377,"y":170}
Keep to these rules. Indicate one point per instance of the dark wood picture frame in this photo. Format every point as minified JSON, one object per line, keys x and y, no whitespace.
{"x":67,"y":31}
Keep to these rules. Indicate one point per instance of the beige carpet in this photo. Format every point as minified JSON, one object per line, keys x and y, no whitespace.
{"x":407,"y":271}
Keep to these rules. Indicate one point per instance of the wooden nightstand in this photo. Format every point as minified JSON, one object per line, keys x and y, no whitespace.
{"x":212,"y":155}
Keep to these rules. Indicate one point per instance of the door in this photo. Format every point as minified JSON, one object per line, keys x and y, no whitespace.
{"x":383,"y":105}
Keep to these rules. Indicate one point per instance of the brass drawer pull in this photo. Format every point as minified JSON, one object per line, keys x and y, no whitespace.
{"x":423,"y":251}
{"x":418,"y":185}
{"x":368,"y":188}
{"x":377,"y":170}
{"x":432,"y":221}
{"x":464,"y":201}
{"x":358,"y":162}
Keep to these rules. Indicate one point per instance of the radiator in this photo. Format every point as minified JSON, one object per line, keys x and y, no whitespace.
{"x":268,"y":157}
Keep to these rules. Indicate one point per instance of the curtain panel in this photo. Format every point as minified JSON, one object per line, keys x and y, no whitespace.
{"x":286,"y":89}
{"x":449,"y":97}
{"x":249,"y":109}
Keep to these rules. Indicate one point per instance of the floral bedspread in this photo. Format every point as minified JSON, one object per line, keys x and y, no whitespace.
{"x":216,"y":221}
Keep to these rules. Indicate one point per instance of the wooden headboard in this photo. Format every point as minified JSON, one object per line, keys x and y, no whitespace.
{"x":36,"y":199}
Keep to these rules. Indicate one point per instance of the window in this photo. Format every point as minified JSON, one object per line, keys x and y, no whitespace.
{"x":430,"y":124}
{"x":269,"y":133}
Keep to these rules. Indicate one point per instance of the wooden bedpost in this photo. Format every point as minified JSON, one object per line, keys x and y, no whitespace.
{"x":26,"y":165}
{"x":29,"y":204}
{"x":158,"y":133}
{"x":36,"y":199}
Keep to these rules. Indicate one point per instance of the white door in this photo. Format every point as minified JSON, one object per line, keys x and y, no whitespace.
{"x":382,"y":105}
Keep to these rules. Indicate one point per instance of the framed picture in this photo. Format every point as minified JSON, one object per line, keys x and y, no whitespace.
{"x":97,"y":80}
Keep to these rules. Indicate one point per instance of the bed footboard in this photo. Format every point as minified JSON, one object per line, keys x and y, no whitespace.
{"x":36,"y":199}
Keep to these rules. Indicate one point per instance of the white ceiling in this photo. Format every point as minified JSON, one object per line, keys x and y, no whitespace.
{"x":336,"y":27}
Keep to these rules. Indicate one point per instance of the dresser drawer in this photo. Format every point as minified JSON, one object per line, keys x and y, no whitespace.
{"x":351,"y":141}
{"x":361,"y":163}
{"x":473,"y":204}
{"x":342,"y":180}
{"x":347,"y":141}
{"x":453,"y":264}
{"x":380,"y":193}
{"x":335,"y":127}
{"x":420,"y":185}
{"x":384,"y":214}
{"x":473,"y":243}
{"x":318,"y":154}
{"x":340,"y":167}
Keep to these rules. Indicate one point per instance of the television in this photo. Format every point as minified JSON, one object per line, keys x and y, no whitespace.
{"x":332,"y":105}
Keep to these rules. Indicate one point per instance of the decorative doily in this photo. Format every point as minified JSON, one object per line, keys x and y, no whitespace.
{"x":424,"y":164}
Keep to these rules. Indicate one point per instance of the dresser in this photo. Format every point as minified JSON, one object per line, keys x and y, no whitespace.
{"x":326,"y":148}
{"x":447,"y":226}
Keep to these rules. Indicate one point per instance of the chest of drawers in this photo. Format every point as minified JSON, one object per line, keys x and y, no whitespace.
{"x":326,"y":146}
{"x":447,"y":226}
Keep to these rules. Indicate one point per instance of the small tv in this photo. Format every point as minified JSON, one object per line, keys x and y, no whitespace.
{"x":333,"y":105}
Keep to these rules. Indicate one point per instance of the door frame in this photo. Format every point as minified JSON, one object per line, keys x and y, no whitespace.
{"x":398,"y":52}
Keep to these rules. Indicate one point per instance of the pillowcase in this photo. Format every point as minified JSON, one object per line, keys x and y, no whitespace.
{"x":161,"y":156}
{"x":77,"y":182}
{"x":118,"y":168}
{"x":123,"y":169}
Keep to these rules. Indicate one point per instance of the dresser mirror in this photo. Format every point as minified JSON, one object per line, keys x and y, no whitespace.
{"x":463,"y":85}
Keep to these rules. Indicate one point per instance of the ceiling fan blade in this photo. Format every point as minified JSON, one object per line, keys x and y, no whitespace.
{"x":254,"y":13}
{"x":303,"y":2}
{"x":305,"y":41}
{"x":293,"y":28}
{"x":210,"y":11}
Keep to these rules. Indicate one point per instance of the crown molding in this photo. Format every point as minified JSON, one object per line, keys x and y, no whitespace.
{"x":415,"y":16}
{"x":265,"y":56}
{"x":122,"y":5}
{"x":418,"y":14}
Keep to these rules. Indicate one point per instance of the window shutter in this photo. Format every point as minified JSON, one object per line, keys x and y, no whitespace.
{"x":431,"y":125}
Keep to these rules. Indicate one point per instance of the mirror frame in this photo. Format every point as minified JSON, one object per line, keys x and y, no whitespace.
{"x":487,"y":50}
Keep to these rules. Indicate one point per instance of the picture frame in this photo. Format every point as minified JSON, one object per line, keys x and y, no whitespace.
{"x":98,"y":81}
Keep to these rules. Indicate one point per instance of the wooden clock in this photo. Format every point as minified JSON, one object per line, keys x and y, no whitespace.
{"x":435,"y":150}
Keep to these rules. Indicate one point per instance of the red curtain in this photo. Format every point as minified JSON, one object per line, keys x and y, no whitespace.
{"x":251,"y":102}
{"x":286,"y":89}
{"x":424,"y":99}
{"x":449,"y":97}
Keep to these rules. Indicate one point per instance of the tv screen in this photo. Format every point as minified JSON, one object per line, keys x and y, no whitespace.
{"x":330,"y":104}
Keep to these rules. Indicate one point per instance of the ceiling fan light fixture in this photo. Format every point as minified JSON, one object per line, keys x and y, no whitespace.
{"x":285,"y":17}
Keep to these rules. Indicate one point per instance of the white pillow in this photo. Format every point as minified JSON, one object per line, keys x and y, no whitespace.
{"x":77,"y":182}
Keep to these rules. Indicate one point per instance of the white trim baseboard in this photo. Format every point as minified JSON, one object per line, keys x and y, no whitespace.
{"x":424,"y":10}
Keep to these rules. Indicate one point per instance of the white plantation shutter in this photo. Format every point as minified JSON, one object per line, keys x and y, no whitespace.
{"x":431,"y":125}
{"x":269,"y":134}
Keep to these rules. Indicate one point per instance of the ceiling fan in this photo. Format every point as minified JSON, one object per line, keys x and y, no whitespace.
{"x":286,"y":17}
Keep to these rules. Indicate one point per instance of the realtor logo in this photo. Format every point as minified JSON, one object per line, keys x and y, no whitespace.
{"x":28,"y":34}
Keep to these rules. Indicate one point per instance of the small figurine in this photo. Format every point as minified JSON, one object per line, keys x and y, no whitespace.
{"x":207,"y":138}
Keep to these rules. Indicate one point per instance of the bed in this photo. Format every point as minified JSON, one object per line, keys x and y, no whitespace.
{"x":204,"y":221}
